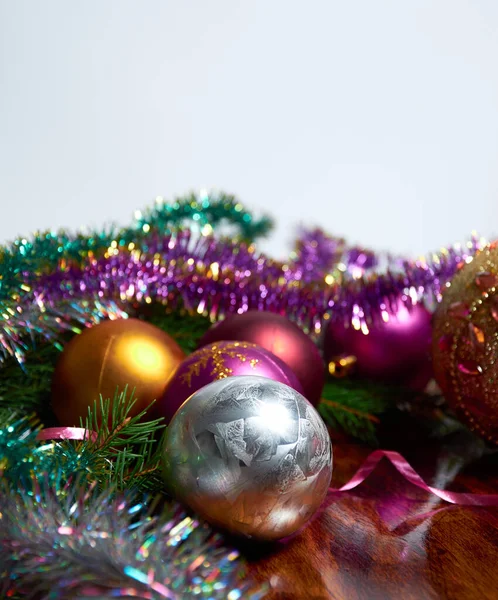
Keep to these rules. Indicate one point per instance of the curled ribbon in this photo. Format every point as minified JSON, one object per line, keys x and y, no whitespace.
{"x":66,"y":433}
{"x":408,"y":472}
{"x":400,"y":464}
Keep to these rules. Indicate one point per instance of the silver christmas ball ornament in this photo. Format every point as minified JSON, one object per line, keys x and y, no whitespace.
{"x":250,"y":455}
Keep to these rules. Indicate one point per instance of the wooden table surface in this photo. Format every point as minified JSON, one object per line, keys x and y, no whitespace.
{"x":388,"y":539}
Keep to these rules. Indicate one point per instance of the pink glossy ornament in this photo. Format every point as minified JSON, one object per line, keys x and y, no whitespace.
{"x":281,"y":337}
{"x":218,"y":361}
{"x":393,"y":349}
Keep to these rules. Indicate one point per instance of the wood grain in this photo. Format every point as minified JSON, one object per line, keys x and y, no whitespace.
{"x":388,"y":539}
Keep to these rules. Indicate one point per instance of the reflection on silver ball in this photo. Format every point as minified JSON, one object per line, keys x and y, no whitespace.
{"x":250,"y":455}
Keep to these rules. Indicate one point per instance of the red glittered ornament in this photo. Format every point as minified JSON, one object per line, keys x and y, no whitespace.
{"x":393,"y":349}
{"x":281,"y":337}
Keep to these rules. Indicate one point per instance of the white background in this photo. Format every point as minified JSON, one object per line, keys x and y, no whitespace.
{"x":377,"y":120}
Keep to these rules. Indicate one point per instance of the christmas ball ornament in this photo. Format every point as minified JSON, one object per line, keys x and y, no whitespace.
{"x":217,"y":361}
{"x":107,"y":357}
{"x":250,"y":455}
{"x":281,"y":337}
{"x":465,"y":344}
{"x":395,"y":348}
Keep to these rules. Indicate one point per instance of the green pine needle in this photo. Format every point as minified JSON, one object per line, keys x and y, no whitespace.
{"x":122,"y":450}
{"x":126,"y":445}
{"x":354,"y":406}
{"x":27,"y":389}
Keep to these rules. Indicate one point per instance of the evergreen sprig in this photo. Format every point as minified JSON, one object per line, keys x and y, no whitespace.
{"x":122,"y":450}
{"x":27,"y":388}
{"x":127,"y":446}
{"x":355,"y":406}
{"x":185,"y":327}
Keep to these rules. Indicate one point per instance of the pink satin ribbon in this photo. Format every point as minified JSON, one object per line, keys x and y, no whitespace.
{"x":395,"y":458}
{"x":409,"y":473}
{"x":66,"y":433}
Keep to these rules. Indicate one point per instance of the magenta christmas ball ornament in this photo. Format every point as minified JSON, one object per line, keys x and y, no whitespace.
{"x":216,"y":361}
{"x":393,"y":349}
{"x":281,"y":337}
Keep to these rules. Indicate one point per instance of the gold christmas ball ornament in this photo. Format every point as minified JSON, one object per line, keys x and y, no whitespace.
{"x":108,"y":357}
{"x":465,"y":344}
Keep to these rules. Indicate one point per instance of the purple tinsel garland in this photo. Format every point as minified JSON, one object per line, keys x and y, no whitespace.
{"x":216,"y":277}
{"x":317,"y":254}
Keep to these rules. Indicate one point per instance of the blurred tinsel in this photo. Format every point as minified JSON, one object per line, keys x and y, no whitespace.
{"x":74,"y":520}
{"x":65,"y":527}
{"x":26,"y":260}
{"x":89,"y":544}
{"x":56,"y":282}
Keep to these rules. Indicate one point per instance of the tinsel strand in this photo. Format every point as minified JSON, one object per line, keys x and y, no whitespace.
{"x":60,"y":537}
{"x":26,"y":259}
{"x":216,"y":278}
{"x":96,"y":278}
{"x":61,"y":543}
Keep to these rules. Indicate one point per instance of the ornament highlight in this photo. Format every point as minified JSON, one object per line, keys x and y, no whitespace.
{"x":217,"y":361}
{"x":465,"y":344}
{"x":108,"y":357}
{"x":282,"y":338}
{"x":395,"y":348}
{"x":250,"y":455}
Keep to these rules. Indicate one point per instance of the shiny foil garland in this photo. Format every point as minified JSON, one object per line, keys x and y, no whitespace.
{"x":58,"y":282}
{"x":68,"y":530}
{"x":25,"y":260}
{"x":80,"y":543}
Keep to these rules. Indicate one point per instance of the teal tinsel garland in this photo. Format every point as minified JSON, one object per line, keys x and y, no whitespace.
{"x":67,"y":531}
{"x":26,"y":259}
{"x":44,"y":250}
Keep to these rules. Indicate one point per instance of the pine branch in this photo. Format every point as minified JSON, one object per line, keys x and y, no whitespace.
{"x":124,"y":453}
{"x":354,"y":406}
{"x":27,"y":388}
{"x":146,"y":476}
{"x":126,"y":445}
